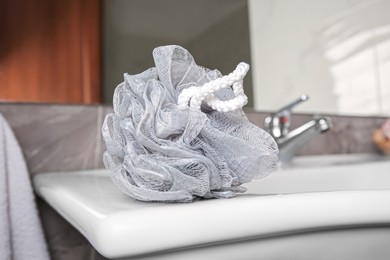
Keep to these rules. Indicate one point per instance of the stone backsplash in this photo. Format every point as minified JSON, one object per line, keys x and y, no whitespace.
{"x":349,"y":134}
{"x":68,"y":137}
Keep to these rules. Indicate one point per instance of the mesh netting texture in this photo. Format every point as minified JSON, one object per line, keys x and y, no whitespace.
{"x":157,"y":151}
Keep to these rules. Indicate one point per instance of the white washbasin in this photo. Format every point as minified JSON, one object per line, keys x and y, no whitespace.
{"x":327,"y":173}
{"x":292,"y":209}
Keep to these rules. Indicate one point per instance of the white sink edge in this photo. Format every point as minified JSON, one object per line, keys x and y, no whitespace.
{"x":112,"y":239}
{"x":329,"y":160}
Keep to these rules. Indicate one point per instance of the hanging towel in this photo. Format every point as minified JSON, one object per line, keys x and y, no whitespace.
{"x":21,"y":235}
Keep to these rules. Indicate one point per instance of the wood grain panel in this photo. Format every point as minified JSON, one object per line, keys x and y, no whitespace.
{"x":91,"y":49}
{"x":41,"y":51}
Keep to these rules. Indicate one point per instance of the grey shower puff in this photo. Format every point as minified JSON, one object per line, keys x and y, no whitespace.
{"x":156,"y":152}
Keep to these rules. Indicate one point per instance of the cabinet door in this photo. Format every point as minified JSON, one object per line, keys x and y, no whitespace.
{"x":50,"y":51}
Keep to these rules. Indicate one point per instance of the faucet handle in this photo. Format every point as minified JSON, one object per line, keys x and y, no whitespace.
{"x":278,"y":124}
{"x":290,"y":106}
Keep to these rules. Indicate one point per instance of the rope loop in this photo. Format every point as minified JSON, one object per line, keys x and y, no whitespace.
{"x":194,"y":96}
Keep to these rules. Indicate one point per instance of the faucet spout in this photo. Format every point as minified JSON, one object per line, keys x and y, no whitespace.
{"x":295,"y":139}
{"x":290,"y":142}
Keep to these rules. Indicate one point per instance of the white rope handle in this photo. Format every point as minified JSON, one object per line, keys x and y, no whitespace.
{"x":194,"y":96}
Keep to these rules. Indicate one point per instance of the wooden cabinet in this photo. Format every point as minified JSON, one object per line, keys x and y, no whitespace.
{"x":50,"y":51}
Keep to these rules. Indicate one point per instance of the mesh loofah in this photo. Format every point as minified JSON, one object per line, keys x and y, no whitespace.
{"x":157,"y":151}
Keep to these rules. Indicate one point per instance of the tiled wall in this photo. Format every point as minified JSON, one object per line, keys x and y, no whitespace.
{"x":67,"y":137}
{"x":58,"y":137}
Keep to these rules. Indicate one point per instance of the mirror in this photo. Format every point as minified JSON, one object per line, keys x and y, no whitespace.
{"x":337,"y":52}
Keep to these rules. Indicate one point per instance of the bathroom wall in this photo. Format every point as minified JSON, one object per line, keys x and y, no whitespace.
{"x":67,"y":137}
{"x":229,"y":36}
{"x":210,"y":31}
{"x":286,"y":54}
{"x":335,"y":51}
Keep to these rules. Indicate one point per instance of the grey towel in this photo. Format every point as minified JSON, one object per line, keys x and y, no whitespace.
{"x":21,"y":236}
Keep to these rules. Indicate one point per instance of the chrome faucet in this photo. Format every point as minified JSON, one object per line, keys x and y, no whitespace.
{"x":289,"y":142}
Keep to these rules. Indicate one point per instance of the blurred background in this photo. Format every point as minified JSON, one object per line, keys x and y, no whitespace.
{"x":76,"y":51}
